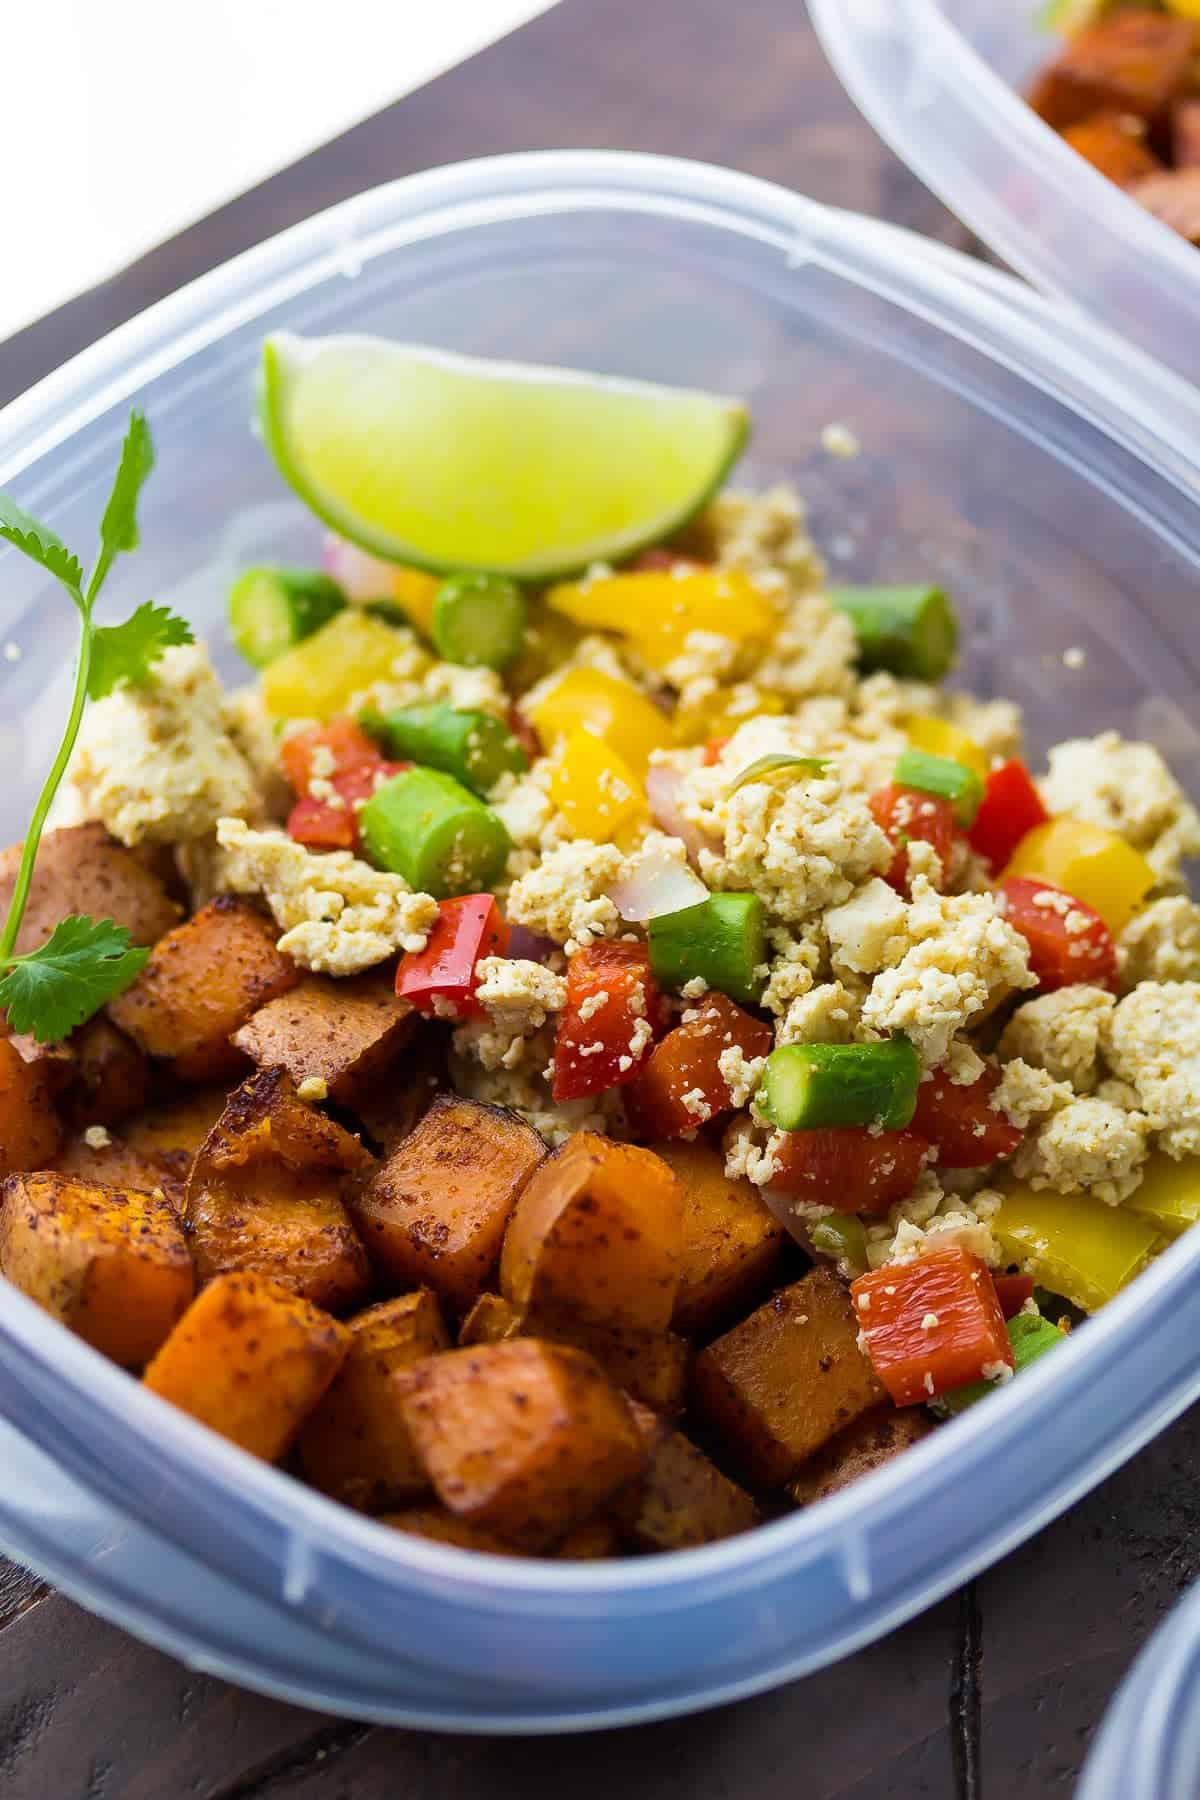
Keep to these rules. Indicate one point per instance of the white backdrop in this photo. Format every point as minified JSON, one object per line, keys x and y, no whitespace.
{"x":123,"y":120}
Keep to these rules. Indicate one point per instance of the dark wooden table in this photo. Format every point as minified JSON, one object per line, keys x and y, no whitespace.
{"x":994,"y":1692}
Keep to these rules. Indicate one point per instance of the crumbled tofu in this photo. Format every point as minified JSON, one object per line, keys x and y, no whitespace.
{"x":337,"y":914}
{"x":466,"y":689}
{"x":813,"y":651}
{"x":1128,"y":788}
{"x":564,"y":896}
{"x":860,"y":930}
{"x":313,"y":1087}
{"x":706,"y":660}
{"x":765,"y":534}
{"x":96,"y":1138}
{"x":796,"y":958}
{"x":518,"y":998}
{"x":256,"y":734}
{"x":524,"y":1092}
{"x":750,"y":1153}
{"x":1026,"y":1093}
{"x":961,"y":960}
{"x":1153,"y":1043}
{"x":1087,"y":1146}
{"x":1060,"y":1032}
{"x":933,"y":1220}
{"x":741,"y":1074}
{"x":1161,"y":943}
{"x":962,"y":1063}
{"x":829,"y":1014}
{"x":157,"y":763}
{"x":995,"y":725}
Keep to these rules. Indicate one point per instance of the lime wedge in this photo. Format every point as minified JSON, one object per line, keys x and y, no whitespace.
{"x":450,"y":462}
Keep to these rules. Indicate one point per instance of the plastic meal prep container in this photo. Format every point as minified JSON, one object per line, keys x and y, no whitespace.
{"x":942,"y":82}
{"x":1148,"y":1747}
{"x":1028,"y":463}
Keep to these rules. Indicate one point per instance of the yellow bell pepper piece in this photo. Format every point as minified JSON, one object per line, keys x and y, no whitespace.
{"x":415,"y":592}
{"x":316,"y":679}
{"x":722,"y":713}
{"x":610,"y":709}
{"x":1170,"y":1193}
{"x":937,"y":737}
{"x":594,"y":789}
{"x":1093,"y":864}
{"x":657,"y":611}
{"x":1184,"y":9}
{"x":1073,"y":1245}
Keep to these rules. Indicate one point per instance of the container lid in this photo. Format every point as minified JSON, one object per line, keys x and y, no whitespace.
{"x":930,"y":76}
{"x":1148,"y":1747}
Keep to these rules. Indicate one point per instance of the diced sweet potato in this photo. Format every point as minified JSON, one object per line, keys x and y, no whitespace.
{"x":650,"y":1366}
{"x":867,"y":1444}
{"x":524,"y":1438}
{"x":251,"y":1360}
{"x":29,"y":1129}
{"x":111,"y":1263}
{"x":201,"y":984}
{"x":490,"y":1321}
{"x":1115,"y":145}
{"x":684,"y":1500}
{"x":117,"y":1164}
{"x":1185,"y":134}
{"x":111,"y":1075}
{"x":80,"y":869}
{"x":442,"y":1526}
{"x":267,"y":1192}
{"x":1134,"y":62}
{"x":597,"y":1236}
{"x":437,"y":1209}
{"x":680,"y":1085}
{"x":343,"y":1033}
{"x":593,"y":1542}
{"x":731,"y":1241}
{"x":1174,"y":198}
{"x":785,"y":1380}
{"x":179,"y":1124}
{"x":356,"y":1445}
{"x":54,"y":1062}
{"x":391,"y":1110}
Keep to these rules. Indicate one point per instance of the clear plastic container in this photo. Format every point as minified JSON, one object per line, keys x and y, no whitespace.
{"x":1030,"y":465}
{"x":1148,"y":1747}
{"x":941,"y":82}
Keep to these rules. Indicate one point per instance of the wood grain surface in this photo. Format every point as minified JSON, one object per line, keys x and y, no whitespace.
{"x":996,"y":1691}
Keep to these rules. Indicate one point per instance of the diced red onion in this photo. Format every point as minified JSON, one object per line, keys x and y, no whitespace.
{"x":529,"y":946}
{"x":362,"y":577}
{"x":657,"y":883}
{"x":662,"y":793}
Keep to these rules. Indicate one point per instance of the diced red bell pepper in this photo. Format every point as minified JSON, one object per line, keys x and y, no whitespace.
{"x":441,"y":979}
{"x":1012,"y":1291}
{"x":905,"y":814}
{"x":848,"y":1168}
{"x":1067,"y":940}
{"x":330,"y":822}
{"x":961,"y":1124}
{"x":608,"y":1025}
{"x":686,"y":1062}
{"x":1010,"y":807}
{"x":523,"y":730}
{"x":714,"y":750}
{"x":932,"y":1324}
{"x":345,"y":742}
{"x":323,"y":825}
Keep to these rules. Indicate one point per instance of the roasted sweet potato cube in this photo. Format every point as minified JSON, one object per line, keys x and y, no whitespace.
{"x":1115,"y":144}
{"x":30,"y":1132}
{"x":111,"y":1075}
{"x":593,"y":1542}
{"x":1174,"y":198}
{"x":356,"y":1445}
{"x":867,"y":1444}
{"x":251,"y":1360}
{"x":343,"y":1034}
{"x":597,"y":1236}
{"x":649,"y":1366}
{"x":99,"y":1157}
{"x":1185,"y":134}
{"x":490,"y":1321}
{"x":684,"y":1500}
{"x":524,"y":1438}
{"x":267,"y":1191}
{"x":437,"y":1209}
{"x":731,"y":1241}
{"x":111,"y":1263}
{"x":784,"y":1381}
{"x":1134,"y":62}
{"x":201,"y":984}
{"x":180,"y":1124}
{"x":442,"y":1526}
{"x":80,"y":869}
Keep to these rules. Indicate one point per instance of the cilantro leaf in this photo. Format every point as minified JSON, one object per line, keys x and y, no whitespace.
{"x":40,"y":544}
{"x":127,"y":652}
{"x":81,"y":965}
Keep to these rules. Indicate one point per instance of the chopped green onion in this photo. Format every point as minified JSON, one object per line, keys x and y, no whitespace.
{"x":909,"y":631}
{"x":842,"y":1236}
{"x":807,"y":1087}
{"x":1030,"y":1338}
{"x":272,"y":609}
{"x":776,"y":764}
{"x":722,"y":940}
{"x":426,"y":826}
{"x":479,"y":620}
{"x":943,"y":776}
{"x":475,"y":747}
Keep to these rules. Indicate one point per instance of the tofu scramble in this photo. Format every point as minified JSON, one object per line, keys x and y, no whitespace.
{"x":589,"y":1096}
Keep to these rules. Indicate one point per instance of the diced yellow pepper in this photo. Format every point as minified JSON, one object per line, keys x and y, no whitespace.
{"x":316,"y":679}
{"x":594,"y":789}
{"x":614,"y":710}
{"x":657,"y":611}
{"x":722,"y":713}
{"x":415,"y":592}
{"x":1185,"y":9}
{"x":1170,"y":1193}
{"x":1093,"y":864}
{"x":1073,"y":1245}
{"x":937,"y":737}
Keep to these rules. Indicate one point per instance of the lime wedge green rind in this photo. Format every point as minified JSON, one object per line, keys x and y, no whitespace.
{"x":449,"y":462}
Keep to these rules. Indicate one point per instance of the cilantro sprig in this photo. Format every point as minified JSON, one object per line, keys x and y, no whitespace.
{"x":85,"y":962}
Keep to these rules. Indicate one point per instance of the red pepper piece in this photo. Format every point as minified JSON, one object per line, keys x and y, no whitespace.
{"x":322,"y":826}
{"x":1067,"y":940}
{"x":349,"y":747}
{"x":687,"y":1062}
{"x":1010,"y":807}
{"x":931,"y":1325}
{"x":325,"y":822}
{"x":602,"y":1038}
{"x":849,"y":1168}
{"x":466,"y":930}
{"x":1013,"y":1291}
{"x":962,"y":1124}
{"x":713,"y":750}
{"x":905,"y":814}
